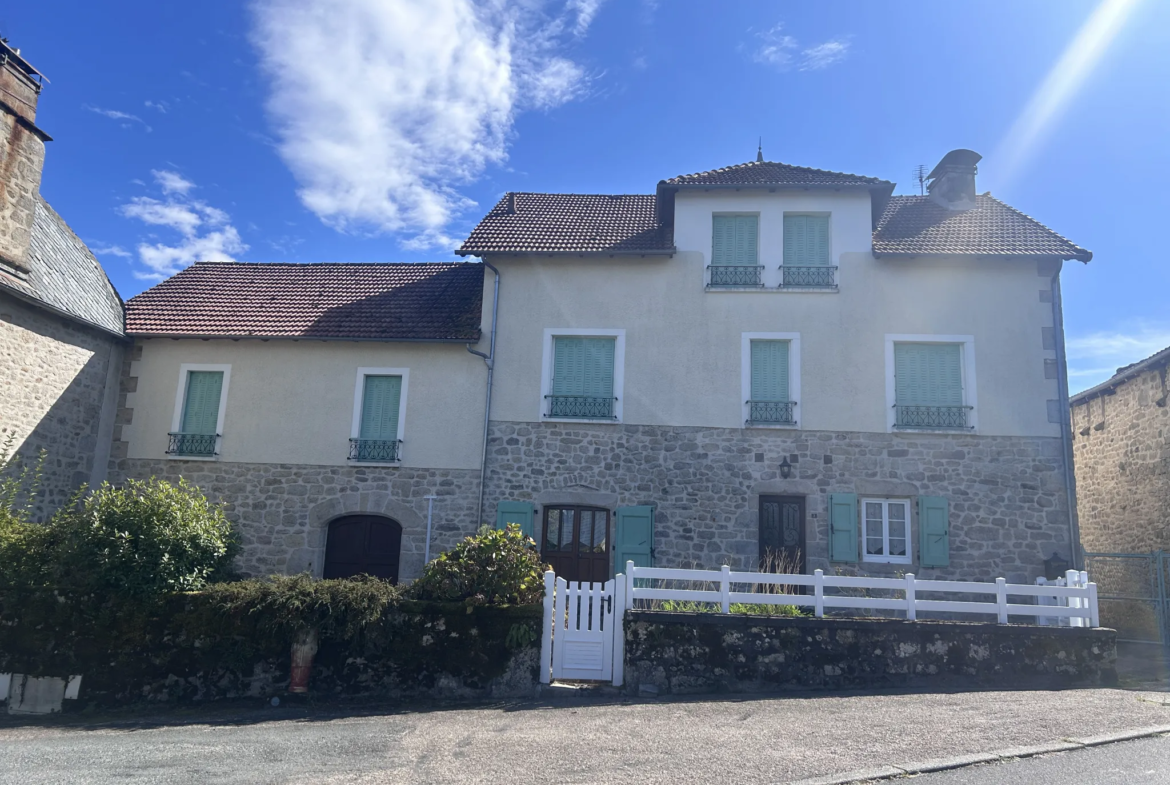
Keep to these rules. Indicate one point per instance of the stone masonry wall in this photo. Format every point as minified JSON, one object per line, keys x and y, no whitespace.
{"x":1008,"y":509}
{"x":283,"y":510}
{"x":22,"y":157}
{"x":1121,"y":449}
{"x":52,"y":383}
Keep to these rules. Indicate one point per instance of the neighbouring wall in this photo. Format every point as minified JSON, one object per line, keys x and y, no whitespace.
{"x":680,"y":653}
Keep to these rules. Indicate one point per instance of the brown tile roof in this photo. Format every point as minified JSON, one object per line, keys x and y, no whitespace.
{"x":768,"y":173}
{"x":428,"y":302}
{"x":570,"y":223}
{"x":917,"y":225}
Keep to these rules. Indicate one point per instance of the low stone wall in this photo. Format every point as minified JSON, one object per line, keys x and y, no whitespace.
{"x":679,"y":653}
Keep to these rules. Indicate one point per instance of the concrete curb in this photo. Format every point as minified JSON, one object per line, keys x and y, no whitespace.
{"x":897,"y":770}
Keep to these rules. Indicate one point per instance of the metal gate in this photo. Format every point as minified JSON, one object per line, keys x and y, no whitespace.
{"x":582,"y":633}
{"x":1132,"y":589}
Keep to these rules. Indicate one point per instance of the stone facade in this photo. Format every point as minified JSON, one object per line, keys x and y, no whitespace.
{"x":53,"y":383}
{"x":22,"y":157}
{"x":1121,"y":450}
{"x":283,"y":510}
{"x":1008,"y":508}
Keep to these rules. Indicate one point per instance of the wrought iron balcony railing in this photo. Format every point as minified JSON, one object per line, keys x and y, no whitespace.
{"x":771,"y":412}
{"x":736,"y":274}
{"x":931,"y":417}
{"x":582,"y":407}
{"x":822,"y":277}
{"x":374,"y":450}
{"x":199,"y":445}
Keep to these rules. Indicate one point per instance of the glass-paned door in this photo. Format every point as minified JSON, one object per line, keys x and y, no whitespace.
{"x":577,"y":542}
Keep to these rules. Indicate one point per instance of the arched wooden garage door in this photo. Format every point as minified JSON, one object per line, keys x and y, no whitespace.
{"x":363,"y":544}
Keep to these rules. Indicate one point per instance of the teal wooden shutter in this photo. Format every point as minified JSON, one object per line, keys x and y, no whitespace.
{"x":928,"y":374}
{"x":522,"y":513}
{"x":735,"y":240}
{"x":201,"y":407}
{"x":634,"y":537}
{"x":806,"y":240}
{"x":769,"y":370}
{"x":934,"y":528}
{"x":568,"y":366}
{"x":722,"y":240}
{"x":380,"y":399}
{"x":598,"y":375}
{"x":843,"y":527}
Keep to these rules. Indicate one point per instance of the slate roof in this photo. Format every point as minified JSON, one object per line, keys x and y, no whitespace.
{"x":917,"y":225}
{"x":65,"y":276}
{"x":769,"y":173}
{"x":570,"y":223}
{"x":379,"y":302}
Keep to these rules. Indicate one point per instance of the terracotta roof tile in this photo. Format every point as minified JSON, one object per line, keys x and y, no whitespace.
{"x":917,"y":225}
{"x":764,"y":173}
{"x":355,"y":301}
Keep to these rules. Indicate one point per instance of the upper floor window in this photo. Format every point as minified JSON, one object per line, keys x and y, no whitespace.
{"x":199,"y":408}
{"x":380,"y":399}
{"x":771,"y":378}
{"x":807,"y":257}
{"x":928,"y":386}
{"x":582,"y":378}
{"x":735,"y":250}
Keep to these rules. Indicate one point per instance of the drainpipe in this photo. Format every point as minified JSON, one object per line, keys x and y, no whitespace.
{"x":430,"y":510}
{"x":1070,"y":479}
{"x":490,"y":360}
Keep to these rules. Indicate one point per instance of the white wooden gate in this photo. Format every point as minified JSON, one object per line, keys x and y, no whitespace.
{"x":582,"y":630}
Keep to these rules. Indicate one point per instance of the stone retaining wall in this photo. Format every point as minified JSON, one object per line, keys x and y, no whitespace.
{"x":680,"y":653}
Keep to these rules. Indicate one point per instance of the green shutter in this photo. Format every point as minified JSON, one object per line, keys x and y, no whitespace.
{"x":583,"y":366}
{"x":634,"y":537}
{"x":201,"y":406}
{"x":522,"y":513}
{"x":735,"y":240}
{"x":769,"y":370}
{"x":843,"y":527}
{"x":380,"y":399}
{"x":928,"y":374}
{"x":806,"y":240}
{"x":934,"y":531}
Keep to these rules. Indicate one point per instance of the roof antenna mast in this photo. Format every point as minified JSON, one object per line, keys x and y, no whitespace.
{"x":920,"y":175}
{"x":760,"y":152}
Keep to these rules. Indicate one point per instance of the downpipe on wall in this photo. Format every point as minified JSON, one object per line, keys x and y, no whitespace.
{"x":1070,"y":478}
{"x":490,"y":360}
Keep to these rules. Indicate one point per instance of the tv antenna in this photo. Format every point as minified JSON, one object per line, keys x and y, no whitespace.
{"x":920,"y":175}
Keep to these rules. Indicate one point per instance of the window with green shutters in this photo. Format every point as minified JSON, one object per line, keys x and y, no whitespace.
{"x":885,"y":531}
{"x":807,"y":258}
{"x":735,"y":241}
{"x":582,"y":384}
{"x":928,"y":386}
{"x":377,"y":439}
{"x":199,"y":421}
{"x":770,"y":402}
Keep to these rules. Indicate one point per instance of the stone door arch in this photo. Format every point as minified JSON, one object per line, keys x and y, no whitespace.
{"x":363,"y":545}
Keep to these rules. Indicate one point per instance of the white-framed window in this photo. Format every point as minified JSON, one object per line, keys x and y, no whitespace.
{"x":770,"y":379}
{"x":808,"y":255}
{"x":200,"y":406}
{"x":930,"y":383}
{"x":885,"y":531}
{"x":379,"y":415}
{"x":582,"y":375}
{"x":735,"y":251}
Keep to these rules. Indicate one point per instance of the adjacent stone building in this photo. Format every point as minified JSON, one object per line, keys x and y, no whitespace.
{"x":61,"y":324}
{"x":1122,"y":450}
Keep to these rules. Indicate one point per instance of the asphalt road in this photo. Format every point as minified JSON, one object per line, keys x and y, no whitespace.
{"x":1141,"y":762}
{"x":745,"y":741}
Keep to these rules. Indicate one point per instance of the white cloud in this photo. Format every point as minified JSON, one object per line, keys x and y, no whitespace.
{"x":204,"y":233}
{"x":383,"y":110}
{"x":127,"y":119}
{"x":823,"y":55}
{"x":776,"y":49}
{"x":1095,"y":357}
{"x":104,"y":249}
{"x":160,"y":106}
{"x":783,"y":51}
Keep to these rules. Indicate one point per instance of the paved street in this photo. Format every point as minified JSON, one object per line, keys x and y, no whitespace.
{"x":1125,"y":763}
{"x":746,"y":741}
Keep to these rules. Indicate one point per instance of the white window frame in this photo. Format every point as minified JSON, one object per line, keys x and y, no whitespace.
{"x":759,"y":250}
{"x":745,"y":375}
{"x":832,"y":259}
{"x":967,"y":369}
{"x":619,"y":369}
{"x":359,"y":389}
{"x":887,"y":559}
{"x":181,"y":398}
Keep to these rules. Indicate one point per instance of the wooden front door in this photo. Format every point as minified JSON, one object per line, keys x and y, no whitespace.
{"x":363,"y":545}
{"x":782,"y":534}
{"x":576,"y":542}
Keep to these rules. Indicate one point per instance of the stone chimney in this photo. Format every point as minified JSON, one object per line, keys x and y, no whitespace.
{"x":952,"y":182}
{"x":22,"y":156}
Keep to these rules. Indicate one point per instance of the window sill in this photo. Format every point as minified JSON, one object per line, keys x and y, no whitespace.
{"x":775,"y":289}
{"x":171,"y":456}
{"x":773,"y":426}
{"x":810,"y":289}
{"x":933,"y":431}
{"x":592,"y":421}
{"x":382,"y":464}
{"x":886,"y":560}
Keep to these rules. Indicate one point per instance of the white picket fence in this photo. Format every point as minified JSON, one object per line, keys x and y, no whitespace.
{"x":1077,"y":600}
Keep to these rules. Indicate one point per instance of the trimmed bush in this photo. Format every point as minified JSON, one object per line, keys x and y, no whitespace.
{"x":495,"y":567}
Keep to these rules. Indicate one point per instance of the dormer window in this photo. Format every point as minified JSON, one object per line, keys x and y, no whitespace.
{"x":808,"y":261}
{"x":735,"y":251}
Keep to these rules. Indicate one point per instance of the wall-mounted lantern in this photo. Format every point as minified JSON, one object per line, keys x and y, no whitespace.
{"x":785,"y":469}
{"x":1055,"y":567}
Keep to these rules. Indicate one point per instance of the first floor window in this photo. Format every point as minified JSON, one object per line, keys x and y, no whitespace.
{"x":377,"y":438}
{"x":928,"y":386}
{"x":770,"y":403}
{"x":582,"y":384}
{"x":735,"y":254}
{"x":886,"y":530}
{"x":807,"y":256}
{"x":199,"y":421}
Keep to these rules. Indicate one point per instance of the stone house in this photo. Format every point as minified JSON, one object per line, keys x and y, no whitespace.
{"x":753,"y":364}
{"x":61,"y":321}
{"x":1121,"y":445}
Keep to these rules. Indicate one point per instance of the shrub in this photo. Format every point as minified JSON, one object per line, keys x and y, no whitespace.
{"x":495,"y":567}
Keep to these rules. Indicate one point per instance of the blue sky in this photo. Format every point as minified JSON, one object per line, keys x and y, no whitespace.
{"x":380,"y":130}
